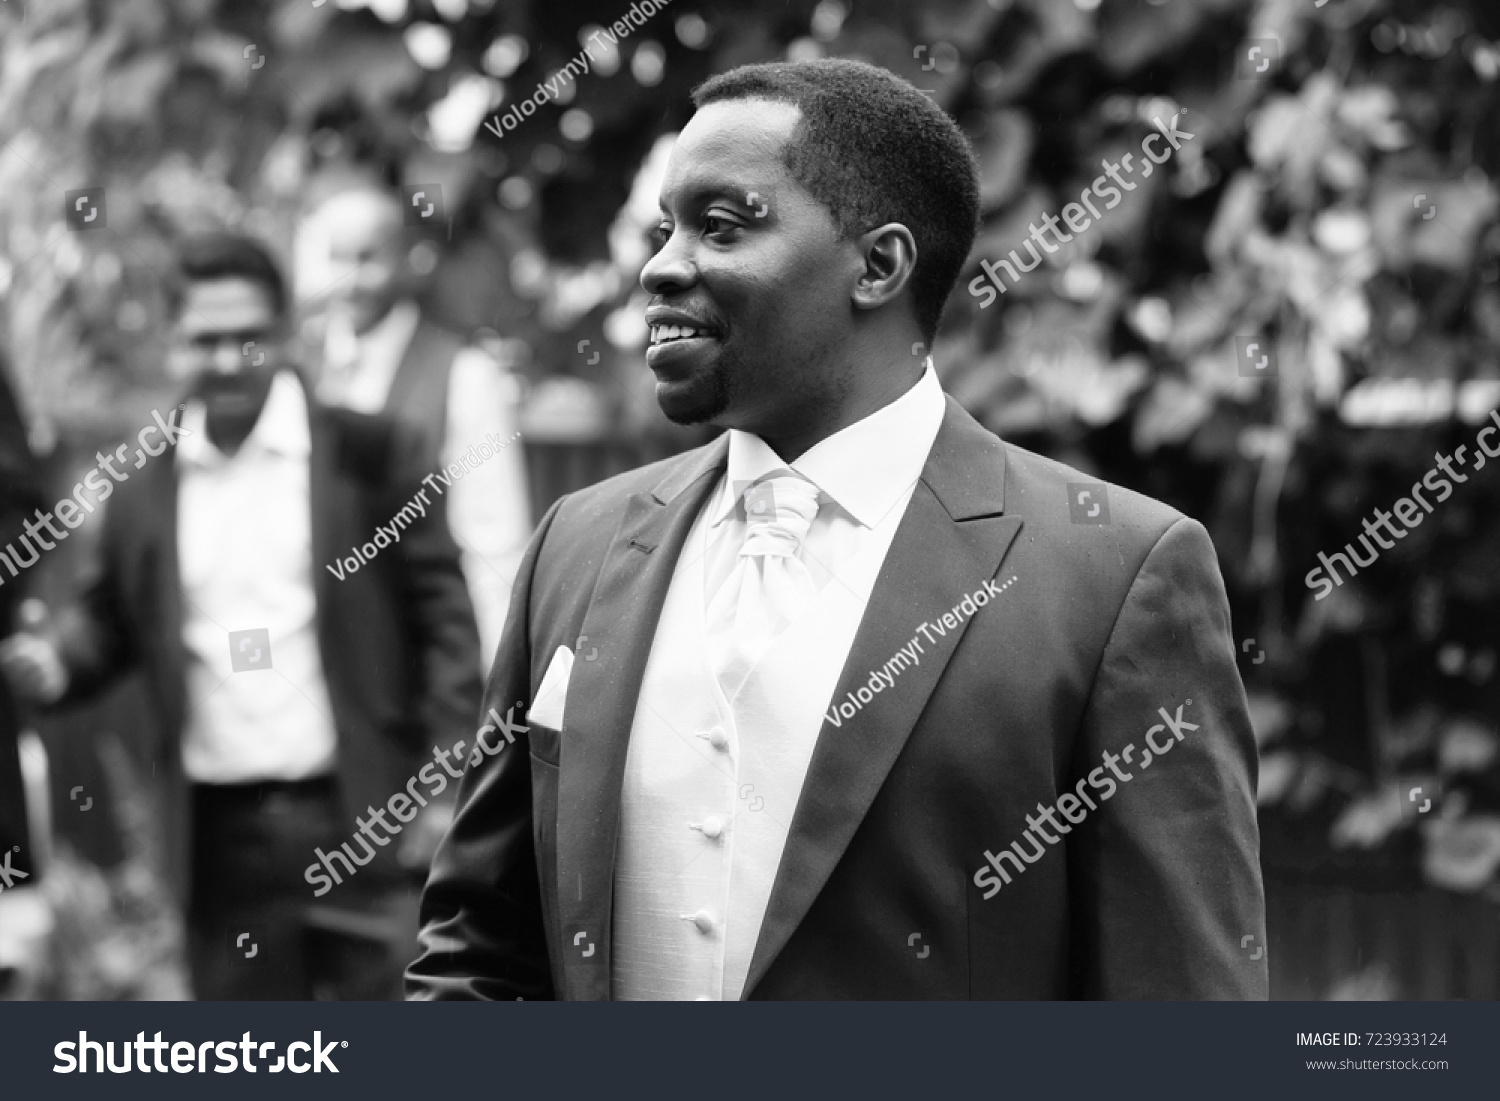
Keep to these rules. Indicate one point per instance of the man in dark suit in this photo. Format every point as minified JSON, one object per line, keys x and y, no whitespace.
{"x":873,"y":704}
{"x":382,"y":354}
{"x":298,"y":662}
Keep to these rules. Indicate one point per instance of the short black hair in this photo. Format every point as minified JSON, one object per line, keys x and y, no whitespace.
{"x":874,"y":149}
{"x":230,"y":256}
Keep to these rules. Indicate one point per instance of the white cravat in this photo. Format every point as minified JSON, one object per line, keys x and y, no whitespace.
{"x":770,"y":587}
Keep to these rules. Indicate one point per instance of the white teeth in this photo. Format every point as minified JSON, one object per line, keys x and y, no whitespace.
{"x":662,"y":333}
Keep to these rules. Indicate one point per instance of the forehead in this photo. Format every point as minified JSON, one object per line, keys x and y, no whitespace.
{"x":227,"y":305}
{"x":355,"y":219}
{"x":732,"y":145}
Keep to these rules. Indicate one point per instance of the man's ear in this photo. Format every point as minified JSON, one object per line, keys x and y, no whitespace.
{"x":889,"y":253}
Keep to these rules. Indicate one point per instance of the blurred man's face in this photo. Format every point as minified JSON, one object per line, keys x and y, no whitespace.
{"x":753,"y":264}
{"x":366,"y":252}
{"x":228,"y":346}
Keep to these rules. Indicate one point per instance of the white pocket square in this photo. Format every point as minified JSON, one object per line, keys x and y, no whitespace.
{"x":547,"y":708}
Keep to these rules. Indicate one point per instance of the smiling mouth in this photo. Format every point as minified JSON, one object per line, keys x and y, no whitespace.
{"x":666,"y":334}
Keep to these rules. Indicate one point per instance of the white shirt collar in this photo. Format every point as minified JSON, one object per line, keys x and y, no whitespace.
{"x":280,"y":429}
{"x":864,"y":468}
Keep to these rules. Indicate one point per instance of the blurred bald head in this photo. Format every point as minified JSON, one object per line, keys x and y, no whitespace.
{"x":366,"y":251}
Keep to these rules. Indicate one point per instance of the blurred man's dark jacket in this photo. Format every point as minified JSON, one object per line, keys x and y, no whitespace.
{"x":20,"y":494}
{"x":396,"y":637}
{"x":419,"y":392}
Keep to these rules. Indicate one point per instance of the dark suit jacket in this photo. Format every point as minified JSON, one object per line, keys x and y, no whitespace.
{"x":1150,"y":897}
{"x":396,"y":638}
{"x":19,"y":496}
{"x":418,"y":397}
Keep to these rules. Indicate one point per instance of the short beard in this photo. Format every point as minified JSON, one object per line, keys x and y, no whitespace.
{"x":705,"y":398}
{"x":245,"y":398}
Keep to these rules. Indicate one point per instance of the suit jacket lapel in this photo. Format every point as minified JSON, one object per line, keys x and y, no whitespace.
{"x":162,"y":528}
{"x":600,"y":708}
{"x":952,"y":538}
{"x":162,"y":602}
{"x":323,"y":505}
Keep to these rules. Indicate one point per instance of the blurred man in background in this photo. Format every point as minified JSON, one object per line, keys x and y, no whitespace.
{"x":291,"y":697}
{"x":24,"y":918}
{"x":382,"y":354}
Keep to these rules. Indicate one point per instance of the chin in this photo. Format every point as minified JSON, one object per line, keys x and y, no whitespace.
{"x":696,"y":401}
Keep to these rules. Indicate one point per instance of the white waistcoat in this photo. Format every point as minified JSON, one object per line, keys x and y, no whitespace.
{"x":741,"y":783}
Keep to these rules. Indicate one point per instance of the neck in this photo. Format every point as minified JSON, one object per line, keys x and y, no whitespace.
{"x":228,"y":431}
{"x":870,"y":393}
{"x":229,"y":428}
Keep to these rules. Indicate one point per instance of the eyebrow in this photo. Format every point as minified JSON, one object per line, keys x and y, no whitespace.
{"x":701,"y":194}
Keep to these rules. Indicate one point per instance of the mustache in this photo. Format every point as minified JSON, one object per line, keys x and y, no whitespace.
{"x":702,"y":319}
{"x":211,"y":383}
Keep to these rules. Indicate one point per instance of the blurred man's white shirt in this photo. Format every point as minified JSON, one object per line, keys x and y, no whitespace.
{"x":489,"y":508}
{"x":244,"y":544}
{"x":359,"y":368}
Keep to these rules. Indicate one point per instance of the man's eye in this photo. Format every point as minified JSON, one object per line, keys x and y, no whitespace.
{"x":659,"y":235}
{"x":715,"y":224}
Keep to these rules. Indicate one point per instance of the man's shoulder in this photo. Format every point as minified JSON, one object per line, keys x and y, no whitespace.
{"x":433,"y":343}
{"x":1045,"y":489}
{"x":1093,"y":536}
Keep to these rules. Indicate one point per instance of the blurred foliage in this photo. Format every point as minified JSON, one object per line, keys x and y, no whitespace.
{"x":117,"y":937}
{"x":1338,"y":208}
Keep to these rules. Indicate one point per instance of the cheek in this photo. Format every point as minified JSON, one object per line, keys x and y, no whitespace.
{"x":780,"y":293}
{"x":813,"y":283}
{"x":183,"y":363}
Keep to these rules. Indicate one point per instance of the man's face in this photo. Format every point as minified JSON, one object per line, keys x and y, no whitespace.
{"x":366,"y":253}
{"x":228,"y":344}
{"x":754,"y":263}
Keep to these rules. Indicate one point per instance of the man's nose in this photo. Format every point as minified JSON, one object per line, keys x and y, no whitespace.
{"x":227,"y":359}
{"x":668,"y":271}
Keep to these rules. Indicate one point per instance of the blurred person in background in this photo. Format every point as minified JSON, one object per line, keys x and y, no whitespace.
{"x":24,"y":918}
{"x":382,"y":354}
{"x":273,"y":744}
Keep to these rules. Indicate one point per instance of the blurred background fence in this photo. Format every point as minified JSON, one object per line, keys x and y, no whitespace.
{"x":1335,"y":208}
